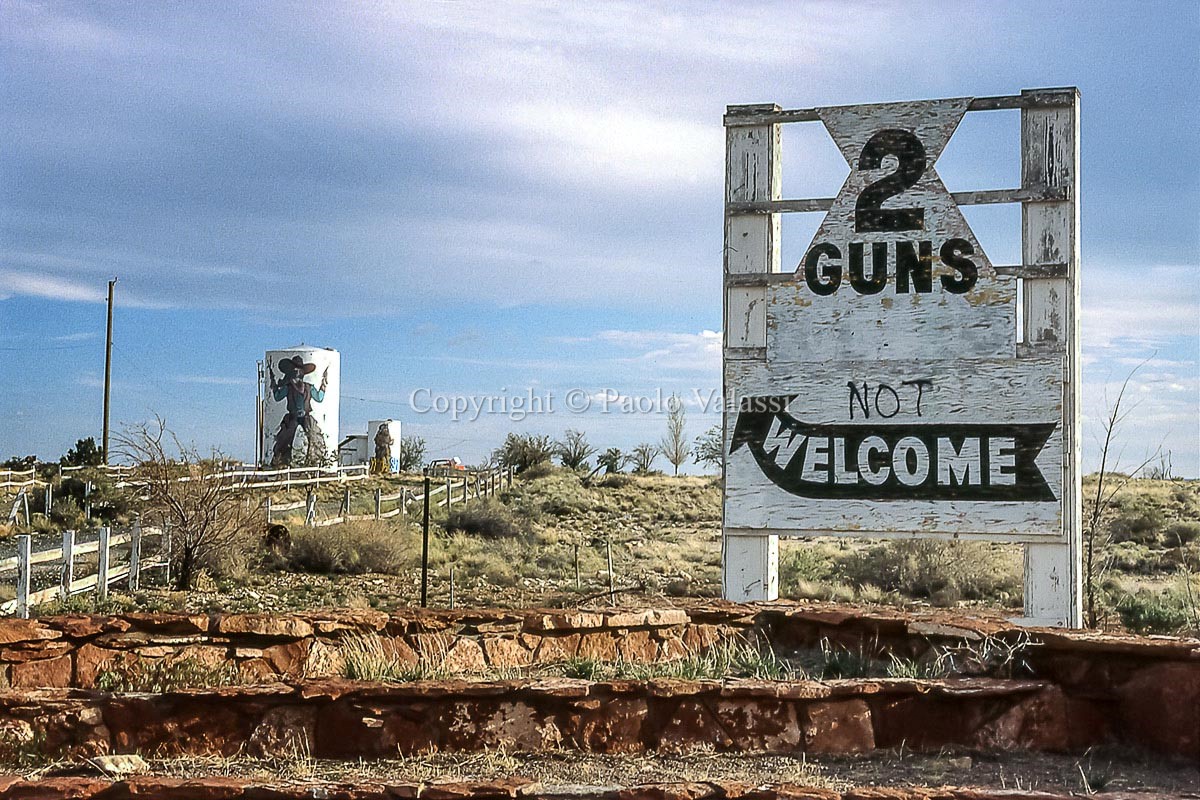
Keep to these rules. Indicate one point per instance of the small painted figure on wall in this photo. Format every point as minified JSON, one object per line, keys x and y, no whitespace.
{"x":383,"y":449}
{"x":300,"y":395}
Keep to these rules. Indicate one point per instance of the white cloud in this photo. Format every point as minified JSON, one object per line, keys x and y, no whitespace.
{"x":1140,"y":304}
{"x":696,"y":352}
{"x":615,"y":145}
{"x":47,"y":286}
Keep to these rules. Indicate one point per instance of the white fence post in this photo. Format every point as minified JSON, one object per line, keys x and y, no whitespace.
{"x":378,"y":503}
{"x":135,"y":553}
{"x":24,"y":568}
{"x":102,"y":569}
{"x":68,"y":564}
{"x":267,"y":508}
{"x":165,"y":544}
{"x":49,"y":503}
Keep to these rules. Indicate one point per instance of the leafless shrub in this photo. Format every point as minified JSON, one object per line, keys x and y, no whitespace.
{"x":177,"y":487}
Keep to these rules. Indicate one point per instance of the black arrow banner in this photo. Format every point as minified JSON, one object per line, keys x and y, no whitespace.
{"x":919,"y":461}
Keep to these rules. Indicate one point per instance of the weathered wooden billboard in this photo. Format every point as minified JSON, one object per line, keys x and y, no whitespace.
{"x":885,"y":386}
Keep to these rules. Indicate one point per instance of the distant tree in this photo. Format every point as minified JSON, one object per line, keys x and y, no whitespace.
{"x":207,"y":517}
{"x":674,"y":446}
{"x":412,"y":453}
{"x":524,"y":450}
{"x":708,"y":449}
{"x":85,"y":453}
{"x":573,"y":451}
{"x":643,"y":457}
{"x":612,"y":460}
{"x":20,"y":463}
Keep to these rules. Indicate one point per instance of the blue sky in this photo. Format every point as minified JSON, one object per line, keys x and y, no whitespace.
{"x":492,"y":199}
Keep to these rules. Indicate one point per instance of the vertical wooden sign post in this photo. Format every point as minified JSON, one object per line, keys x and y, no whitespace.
{"x":885,"y":387}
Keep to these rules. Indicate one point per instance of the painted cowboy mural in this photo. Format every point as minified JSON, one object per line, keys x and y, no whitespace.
{"x":383,"y":449}
{"x":300,"y":395}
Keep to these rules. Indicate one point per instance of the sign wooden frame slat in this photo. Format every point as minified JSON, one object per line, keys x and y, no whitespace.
{"x":771,"y":114}
{"x":995,"y":456}
{"x":1031,"y":194}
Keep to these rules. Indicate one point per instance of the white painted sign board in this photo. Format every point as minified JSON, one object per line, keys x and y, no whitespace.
{"x":885,"y":387}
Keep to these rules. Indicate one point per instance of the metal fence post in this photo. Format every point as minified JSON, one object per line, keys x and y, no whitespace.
{"x":68,"y":565}
{"x":612,"y":589}
{"x":102,"y":569}
{"x":425,"y":547}
{"x":310,"y":508}
{"x":135,"y":553}
{"x":378,"y":504}
{"x":24,"y":568}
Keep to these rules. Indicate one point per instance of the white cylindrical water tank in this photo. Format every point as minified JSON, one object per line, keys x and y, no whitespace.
{"x":301,"y":388}
{"x":383,"y":444}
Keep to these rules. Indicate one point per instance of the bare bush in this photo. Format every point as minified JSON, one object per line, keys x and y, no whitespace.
{"x":708,"y":448}
{"x":412,"y":453}
{"x":524,"y":450}
{"x":612,"y":460}
{"x":208,"y":518}
{"x":574,"y":450}
{"x":1109,"y":484}
{"x":642,"y":457}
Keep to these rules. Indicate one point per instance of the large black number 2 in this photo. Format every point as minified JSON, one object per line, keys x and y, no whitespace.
{"x":910,"y":153}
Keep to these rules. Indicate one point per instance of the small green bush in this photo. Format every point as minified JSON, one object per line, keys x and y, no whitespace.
{"x":489,"y":519}
{"x":1178,"y":534}
{"x":617,"y":480}
{"x":1169,"y":610}
{"x":803,"y":562}
{"x":943,"y":571}
{"x":1140,"y":525}
{"x":354,"y":548}
{"x":542,"y":469}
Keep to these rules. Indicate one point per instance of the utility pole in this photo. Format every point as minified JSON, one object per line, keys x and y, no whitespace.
{"x":107,"y":371}
{"x":258,"y":420}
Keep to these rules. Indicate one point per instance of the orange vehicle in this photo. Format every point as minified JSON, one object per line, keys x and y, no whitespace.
{"x":446,"y":465}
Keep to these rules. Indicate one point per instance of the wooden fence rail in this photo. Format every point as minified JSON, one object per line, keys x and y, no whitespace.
{"x":458,"y":488}
{"x":25,"y":560}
